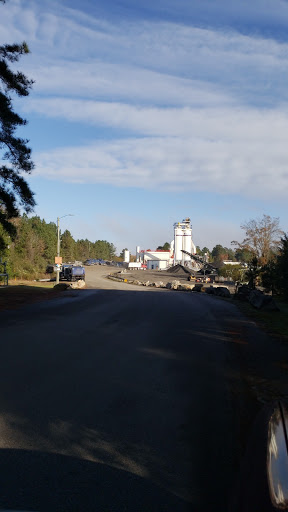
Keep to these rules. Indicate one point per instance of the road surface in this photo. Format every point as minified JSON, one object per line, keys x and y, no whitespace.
{"x":125,"y":398}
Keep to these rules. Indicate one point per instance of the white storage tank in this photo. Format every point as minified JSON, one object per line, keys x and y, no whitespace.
{"x":126,"y":256}
{"x":183,"y":241}
{"x":178,"y":242}
{"x":187,"y":243}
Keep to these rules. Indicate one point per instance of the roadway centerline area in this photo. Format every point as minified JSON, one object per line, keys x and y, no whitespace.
{"x":128,"y":399}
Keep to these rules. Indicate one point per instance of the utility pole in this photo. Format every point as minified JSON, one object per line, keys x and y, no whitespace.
{"x":58,"y":251}
{"x":57,"y":260}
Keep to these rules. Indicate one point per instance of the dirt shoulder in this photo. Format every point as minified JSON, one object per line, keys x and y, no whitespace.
{"x":274,"y":323}
{"x":20,"y":293}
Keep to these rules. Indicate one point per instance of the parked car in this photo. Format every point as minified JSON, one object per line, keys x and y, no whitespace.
{"x":88,"y":262}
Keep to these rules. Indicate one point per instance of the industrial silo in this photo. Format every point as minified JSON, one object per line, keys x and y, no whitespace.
{"x":187,"y":240}
{"x":126,"y":256}
{"x":183,"y":241}
{"x":178,"y":243}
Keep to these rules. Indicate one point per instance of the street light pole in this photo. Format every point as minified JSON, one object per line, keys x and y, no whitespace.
{"x":58,"y":244}
{"x":58,"y":250}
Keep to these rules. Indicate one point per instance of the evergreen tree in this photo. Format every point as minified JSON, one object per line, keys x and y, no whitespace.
{"x":47,"y":234}
{"x":14,"y":152}
{"x":35,"y":244}
{"x":121,"y":255}
{"x":243,"y":255}
{"x":164,"y":247}
{"x":282,"y":267}
{"x":82,"y":249}
{"x":104,"y":250}
{"x":205,"y":250}
{"x":253,"y":272}
{"x":269,"y":276}
{"x":219,"y":253}
{"x":67,"y":247}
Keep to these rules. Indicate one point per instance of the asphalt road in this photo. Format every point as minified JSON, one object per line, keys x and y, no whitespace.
{"x":123,"y":398}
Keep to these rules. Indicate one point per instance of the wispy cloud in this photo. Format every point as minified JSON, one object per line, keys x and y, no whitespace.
{"x":212,"y":123}
{"x":133,"y":85}
{"x":174,"y":163}
{"x":206,"y":108}
{"x":77,"y":54}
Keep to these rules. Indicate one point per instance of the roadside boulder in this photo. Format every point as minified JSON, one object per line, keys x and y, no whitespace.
{"x":182,"y":288}
{"x":159,"y":284}
{"x":173,"y":285}
{"x":197,"y":287}
{"x":243,"y":292}
{"x":61,"y":286}
{"x":186,"y":287}
{"x":222,"y":291}
{"x":210,"y":290}
{"x":77,"y":285}
{"x":261,"y":301}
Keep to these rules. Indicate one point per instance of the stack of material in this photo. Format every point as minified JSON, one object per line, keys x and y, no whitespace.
{"x":179,"y":269}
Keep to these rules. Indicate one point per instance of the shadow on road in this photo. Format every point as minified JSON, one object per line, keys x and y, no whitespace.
{"x":41,"y":481}
{"x":128,"y":401}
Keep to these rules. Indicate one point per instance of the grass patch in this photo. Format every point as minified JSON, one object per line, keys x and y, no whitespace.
{"x":273,"y":322}
{"x":20,"y":293}
{"x":34,"y":284}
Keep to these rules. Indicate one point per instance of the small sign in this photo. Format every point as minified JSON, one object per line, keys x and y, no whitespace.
{"x":58,"y":260}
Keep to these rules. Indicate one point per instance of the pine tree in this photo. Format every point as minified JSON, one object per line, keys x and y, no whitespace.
{"x":15,"y":155}
{"x":282,"y":266}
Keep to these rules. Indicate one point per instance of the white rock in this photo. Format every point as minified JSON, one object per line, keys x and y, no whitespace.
{"x":159,"y":284}
{"x":78,"y":284}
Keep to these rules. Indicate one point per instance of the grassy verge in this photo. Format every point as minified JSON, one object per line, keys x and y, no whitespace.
{"x":34,"y":284}
{"x":19,"y":293}
{"x":273,"y":322}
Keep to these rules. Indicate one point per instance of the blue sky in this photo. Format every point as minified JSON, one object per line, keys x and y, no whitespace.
{"x":143,"y":113}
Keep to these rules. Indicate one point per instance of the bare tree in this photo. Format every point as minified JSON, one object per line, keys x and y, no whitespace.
{"x":262,"y":238}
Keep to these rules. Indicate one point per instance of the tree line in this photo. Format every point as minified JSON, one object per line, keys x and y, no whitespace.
{"x":264,"y":251}
{"x":34,"y":247}
{"x":265,"y":246}
{"x":220,"y":253}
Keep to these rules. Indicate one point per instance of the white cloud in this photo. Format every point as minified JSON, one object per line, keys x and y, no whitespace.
{"x":78,"y":55}
{"x":215,"y":123}
{"x":123,"y":83}
{"x":185,"y":93}
{"x":224,"y":65}
{"x":244,"y":167}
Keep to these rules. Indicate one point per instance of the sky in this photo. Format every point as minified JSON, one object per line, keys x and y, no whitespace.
{"x":144,"y":113}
